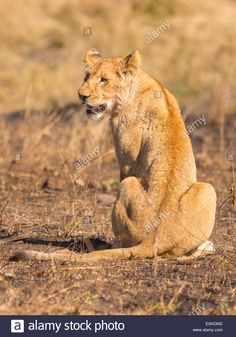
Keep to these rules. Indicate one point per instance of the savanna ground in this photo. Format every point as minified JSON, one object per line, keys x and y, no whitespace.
{"x":47,"y":203}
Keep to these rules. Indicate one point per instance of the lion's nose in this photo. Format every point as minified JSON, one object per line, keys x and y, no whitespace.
{"x":83,"y":98}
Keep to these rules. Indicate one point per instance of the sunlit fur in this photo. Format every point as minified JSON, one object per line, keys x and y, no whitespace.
{"x":161,"y":209}
{"x":117,"y":91}
{"x":157,"y":165}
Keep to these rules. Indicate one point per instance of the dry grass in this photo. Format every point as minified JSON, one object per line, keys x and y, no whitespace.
{"x":42,"y":44}
{"x":46,"y":203}
{"x":43,"y":208}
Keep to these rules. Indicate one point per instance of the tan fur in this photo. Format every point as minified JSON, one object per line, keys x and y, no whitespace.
{"x":161,"y":209}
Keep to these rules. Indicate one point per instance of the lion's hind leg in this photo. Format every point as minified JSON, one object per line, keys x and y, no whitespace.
{"x":197,"y":216}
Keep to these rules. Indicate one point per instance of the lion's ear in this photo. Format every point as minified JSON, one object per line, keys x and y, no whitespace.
{"x":91,"y":56}
{"x":133,"y":61}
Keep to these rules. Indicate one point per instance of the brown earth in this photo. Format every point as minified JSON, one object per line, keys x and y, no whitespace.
{"x":46,"y":204}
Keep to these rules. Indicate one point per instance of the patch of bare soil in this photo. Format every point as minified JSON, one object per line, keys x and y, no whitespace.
{"x":46,"y":207}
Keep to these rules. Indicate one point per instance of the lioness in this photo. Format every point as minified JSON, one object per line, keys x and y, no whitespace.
{"x":157,"y":166}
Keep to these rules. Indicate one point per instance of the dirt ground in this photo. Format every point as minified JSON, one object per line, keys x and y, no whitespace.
{"x":46,"y":204}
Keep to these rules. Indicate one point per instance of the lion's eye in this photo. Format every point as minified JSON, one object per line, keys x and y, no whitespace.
{"x":86,"y":77}
{"x":103,"y":80}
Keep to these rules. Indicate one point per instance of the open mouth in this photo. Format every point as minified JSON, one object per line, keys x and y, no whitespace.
{"x":96,"y":109}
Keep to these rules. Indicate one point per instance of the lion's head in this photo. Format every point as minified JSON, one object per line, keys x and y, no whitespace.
{"x":108,"y":81}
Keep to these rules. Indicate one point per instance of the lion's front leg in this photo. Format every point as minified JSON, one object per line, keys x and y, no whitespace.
{"x":131,"y":214}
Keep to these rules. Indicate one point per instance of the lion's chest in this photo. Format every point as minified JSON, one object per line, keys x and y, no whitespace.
{"x":127,"y":139}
